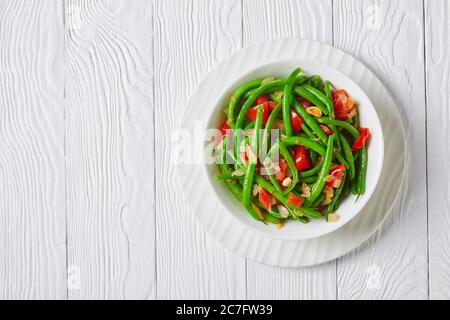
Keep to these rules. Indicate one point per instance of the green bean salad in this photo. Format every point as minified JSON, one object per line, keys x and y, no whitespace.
{"x":292,"y":148}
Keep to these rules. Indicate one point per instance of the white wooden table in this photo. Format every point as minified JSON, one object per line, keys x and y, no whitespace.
{"x":89,"y":93}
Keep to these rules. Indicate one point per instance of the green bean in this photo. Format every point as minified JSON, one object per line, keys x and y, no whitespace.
{"x":302,"y":92}
{"x":327,"y":89}
{"x":248,"y":180}
{"x":287,"y":101}
{"x":306,"y":142}
{"x":308,"y":131}
{"x":287,"y":157}
{"x":361,"y":178}
{"x":320,"y":183}
{"x":300,"y":80}
{"x":340,"y":157}
{"x":333,"y":204}
{"x":313,"y":156}
{"x":347,"y":126}
{"x":310,"y":179}
{"x":249,"y":126}
{"x":316,"y":81}
{"x":267,"y":130}
{"x":311,"y":213}
{"x":309,"y":120}
{"x":321,"y":97}
{"x":319,"y":199}
{"x":311,"y":172}
{"x":273,"y":220}
{"x":237,"y":95}
{"x":348,"y":156}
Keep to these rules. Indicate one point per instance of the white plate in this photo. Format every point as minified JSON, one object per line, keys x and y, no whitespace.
{"x":238,"y":237}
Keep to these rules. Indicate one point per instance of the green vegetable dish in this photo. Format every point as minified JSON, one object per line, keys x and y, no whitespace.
{"x":292,"y":148}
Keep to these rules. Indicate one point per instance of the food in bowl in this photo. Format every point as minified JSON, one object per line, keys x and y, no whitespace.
{"x":292,"y":148}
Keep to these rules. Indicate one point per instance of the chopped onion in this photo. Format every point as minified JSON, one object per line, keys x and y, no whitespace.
{"x":332,"y":217}
{"x":256,"y":189}
{"x":286,"y":182}
{"x":268,"y":79}
{"x":314,"y":111}
{"x":283,"y":211}
{"x":238,"y":173}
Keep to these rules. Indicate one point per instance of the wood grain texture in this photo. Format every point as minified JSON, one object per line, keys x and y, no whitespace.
{"x":437,"y":15}
{"x":110,"y":149}
{"x":264,"y":20}
{"x":190,"y":37}
{"x":393,"y":263}
{"x":32,"y":175}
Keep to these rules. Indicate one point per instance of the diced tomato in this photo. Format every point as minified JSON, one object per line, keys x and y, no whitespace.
{"x":224,"y":127}
{"x":271,"y":105}
{"x":294,"y":201}
{"x":364,"y":135}
{"x":280,"y":174}
{"x":252,"y":112}
{"x":337,"y":171}
{"x":296,"y":122}
{"x":344,"y":105}
{"x":305,"y":103}
{"x":301,"y":159}
{"x":262,"y":98}
{"x":224,"y":130}
{"x":325,"y":129}
{"x":265,"y":198}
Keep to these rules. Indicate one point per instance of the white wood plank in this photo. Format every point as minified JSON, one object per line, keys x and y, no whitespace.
{"x":110,"y":149}
{"x":388,"y":37}
{"x":190,"y":38}
{"x":274,"y":19}
{"x":32,"y":205}
{"x":437,"y":15}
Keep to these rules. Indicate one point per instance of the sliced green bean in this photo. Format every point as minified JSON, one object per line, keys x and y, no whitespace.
{"x":312,"y":171}
{"x":286,"y":100}
{"x":306,"y":142}
{"x":320,"y":183}
{"x":254,"y":141}
{"x":345,"y":125}
{"x":361,"y":178}
{"x":348,"y":155}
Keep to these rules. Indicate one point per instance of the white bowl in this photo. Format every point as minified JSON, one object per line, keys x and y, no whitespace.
{"x":349,"y":208}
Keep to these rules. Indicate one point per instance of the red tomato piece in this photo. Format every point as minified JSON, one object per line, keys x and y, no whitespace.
{"x":252,"y":112}
{"x":337,"y":171}
{"x":224,"y":127}
{"x":344,"y":105}
{"x":280,"y":174}
{"x":364,"y":135}
{"x":294,"y":201}
{"x":301,"y":159}
{"x":271,"y":105}
{"x":265,"y":198}
{"x":296,"y":122}
{"x":262,"y":98}
{"x":305,"y":103}
{"x":325,"y":129}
